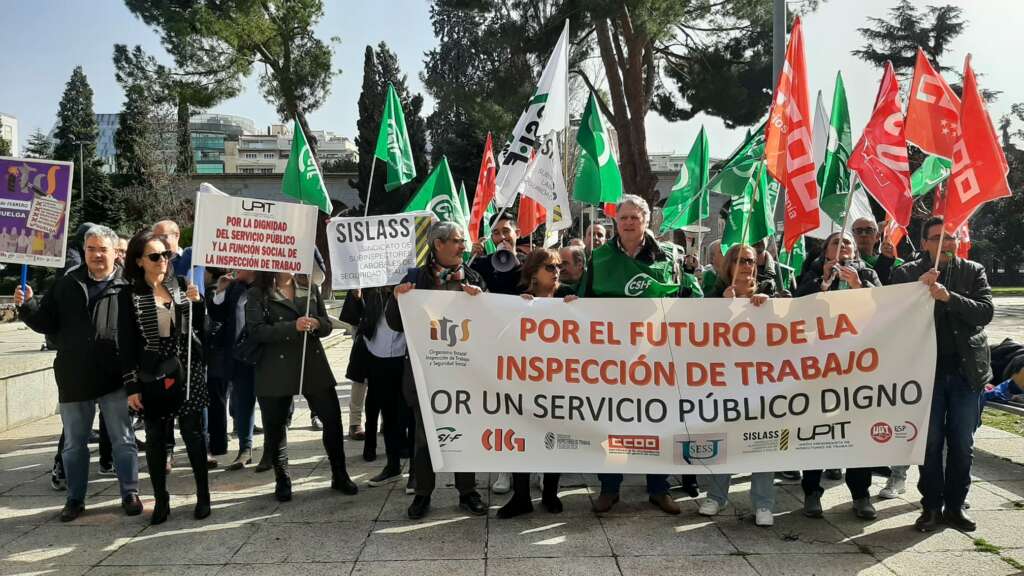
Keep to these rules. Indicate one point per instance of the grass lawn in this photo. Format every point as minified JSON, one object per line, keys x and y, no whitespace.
{"x":1003,"y":421}
{"x":1008,"y":291}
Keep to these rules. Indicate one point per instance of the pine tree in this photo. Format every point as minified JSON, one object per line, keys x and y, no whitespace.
{"x":897,"y":37}
{"x":39,"y":146}
{"x":132,"y":137}
{"x":381,"y":66}
{"x":5,"y":148}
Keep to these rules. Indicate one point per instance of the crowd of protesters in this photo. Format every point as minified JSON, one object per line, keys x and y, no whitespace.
{"x":154,"y":340}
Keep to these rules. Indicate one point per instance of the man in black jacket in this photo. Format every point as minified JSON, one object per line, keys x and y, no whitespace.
{"x":963,"y":306}
{"x":80,"y":312}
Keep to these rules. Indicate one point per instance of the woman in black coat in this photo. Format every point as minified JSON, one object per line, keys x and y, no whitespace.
{"x":157,"y":319}
{"x":276,"y":320}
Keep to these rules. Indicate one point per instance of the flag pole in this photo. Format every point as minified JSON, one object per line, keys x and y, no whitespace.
{"x":369,"y":186}
{"x":842,"y":230}
{"x":188,"y":332}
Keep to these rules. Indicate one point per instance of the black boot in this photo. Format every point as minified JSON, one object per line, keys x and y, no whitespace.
{"x":202,"y":506}
{"x":549,"y":498}
{"x":161,"y":510}
{"x":340,"y":480}
{"x":283,"y":484}
{"x":520,"y":503}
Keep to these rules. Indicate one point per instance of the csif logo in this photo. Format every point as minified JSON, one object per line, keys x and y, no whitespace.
{"x":250,"y":205}
{"x":638,"y":284}
{"x":502,"y":440}
{"x":447,"y":331}
{"x":446,"y":436}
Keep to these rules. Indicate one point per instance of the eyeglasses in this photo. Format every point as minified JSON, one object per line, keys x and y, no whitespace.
{"x":747,"y":261}
{"x":552,"y":268}
{"x":865,"y":231}
{"x":456,"y":240}
{"x":157,"y":256}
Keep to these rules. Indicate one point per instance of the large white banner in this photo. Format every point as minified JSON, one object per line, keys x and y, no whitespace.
{"x":251,"y":234}
{"x":377,"y":250}
{"x":834,"y":380}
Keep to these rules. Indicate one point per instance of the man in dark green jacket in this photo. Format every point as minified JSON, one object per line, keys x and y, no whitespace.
{"x":963,"y":307}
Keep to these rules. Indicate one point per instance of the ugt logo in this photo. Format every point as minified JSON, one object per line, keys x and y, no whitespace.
{"x":448,"y":331}
{"x":502,"y":440}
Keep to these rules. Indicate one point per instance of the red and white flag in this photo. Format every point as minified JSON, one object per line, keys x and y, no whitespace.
{"x":531,"y":215}
{"x":880,"y":156}
{"x":979,"y":165}
{"x":893,"y":233}
{"x":485,"y":188}
{"x":963,"y":249}
{"x":933,"y":114}
{"x":788,"y":151}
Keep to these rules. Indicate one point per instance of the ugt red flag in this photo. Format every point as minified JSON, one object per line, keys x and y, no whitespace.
{"x":788,"y":151}
{"x":979,"y":165}
{"x":933,"y":114}
{"x":531,"y":215}
{"x":485,"y":187}
{"x":880,"y":156}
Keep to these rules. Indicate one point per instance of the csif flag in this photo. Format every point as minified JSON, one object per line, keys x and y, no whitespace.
{"x":393,"y":145}
{"x":979,"y":165}
{"x":752,"y":212}
{"x":302,"y":179}
{"x":688,"y":202}
{"x":740,"y":167}
{"x":880,"y":157}
{"x":598,"y":180}
{"x":933,"y":171}
{"x":834,"y":175}
{"x":439,"y":195}
{"x":789,"y":152}
{"x":933,"y":113}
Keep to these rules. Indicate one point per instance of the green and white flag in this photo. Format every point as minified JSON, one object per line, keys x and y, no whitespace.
{"x":738,"y":172}
{"x":756,"y":204}
{"x":393,"y":145}
{"x":302,"y":179}
{"x":833,"y":175}
{"x":464,"y":205}
{"x":933,"y":171}
{"x":794,"y":261}
{"x":688,"y":202}
{"x":438,"y":195}
{"x":485,"y":229}
{"x":597,"y":177}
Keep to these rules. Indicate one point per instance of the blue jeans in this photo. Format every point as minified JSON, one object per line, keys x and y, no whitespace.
{"x":657,"y":484}
{"x":243,"y":405}
{"x":762,"y":488}
{"x":954,"y":417}
{"x":77,"y":418}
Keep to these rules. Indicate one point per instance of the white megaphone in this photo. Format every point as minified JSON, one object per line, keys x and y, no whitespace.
{"x":504,"y":260}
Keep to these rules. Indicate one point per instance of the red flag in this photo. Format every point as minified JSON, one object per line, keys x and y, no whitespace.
{"x":788,"y":149}
{"x":531,"y":215}
{"x":979,"y":165}
{"x":963,"y":249}
{"x":880,"y":156}
{"x":485,"y":187}
{"x":893,"y":233}
{"x":933,"y":114}
{"x":939,"y":201}
{"x":609,"y":209}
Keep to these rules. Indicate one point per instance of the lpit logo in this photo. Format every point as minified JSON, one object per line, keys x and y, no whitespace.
{"x":448,"y":331}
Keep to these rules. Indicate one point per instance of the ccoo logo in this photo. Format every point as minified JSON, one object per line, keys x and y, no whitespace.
{"x":502,"y":440}
{"x":449,"y":332}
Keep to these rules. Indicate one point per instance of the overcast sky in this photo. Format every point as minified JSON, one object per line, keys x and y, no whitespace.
{"x":43,"y":40}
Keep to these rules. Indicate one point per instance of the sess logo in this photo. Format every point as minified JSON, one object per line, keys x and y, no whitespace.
{"x":700,"y":449}
{"x":449,"y":332}
{"x":638,"y":284}
{"x":502,"y":440}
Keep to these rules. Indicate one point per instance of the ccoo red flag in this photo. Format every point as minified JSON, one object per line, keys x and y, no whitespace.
{"x":939,"y":201}
{"x":880,"y":156}
{"x":963,"y":249}
{"x":788,"y":151}
{"x":933,"y":114}
{"x":531,"y":215}
{"x":979,"y":165}
{"x":485,"y":188}
{"x":893,"y":233}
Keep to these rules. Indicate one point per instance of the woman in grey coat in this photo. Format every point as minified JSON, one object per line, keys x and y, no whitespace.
{"x":275,"y":320}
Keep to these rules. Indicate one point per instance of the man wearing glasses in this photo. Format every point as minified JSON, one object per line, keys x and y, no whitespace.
{"x":881,"y":258}
{"x":963,"y":306}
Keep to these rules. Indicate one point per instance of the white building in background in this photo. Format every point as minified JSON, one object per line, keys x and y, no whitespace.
{"x":267,"y":153}
{"x":9,"y":131}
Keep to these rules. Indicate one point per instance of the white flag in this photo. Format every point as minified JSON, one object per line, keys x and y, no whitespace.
{"x":544,"y":113}
{"x":545,"y":184}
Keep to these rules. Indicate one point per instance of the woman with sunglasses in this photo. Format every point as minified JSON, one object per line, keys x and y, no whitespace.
{"x":157,"y":319}
{"x":540,"y":279}
{"x":738,"y":279}
{"x":842,"y":269}
{"x":276,"y":319}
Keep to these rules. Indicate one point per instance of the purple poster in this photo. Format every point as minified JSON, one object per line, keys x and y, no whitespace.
{"x":34,"y":210}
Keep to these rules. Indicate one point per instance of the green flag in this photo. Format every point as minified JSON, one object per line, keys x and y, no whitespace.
{"x":794,"y":261}
{"x":833,"y":175}
{"x":485,"y":229}
{"x":597,"y":178}
{"x":688,"y":202}
{"x":738,"y":171}
{"x":464,"y":206}
{"x":756,"y":204}
{"x":393,"y":143}
{"x":302,"y":179}
{"x":438,"y":195}
{"x":933,"y":171}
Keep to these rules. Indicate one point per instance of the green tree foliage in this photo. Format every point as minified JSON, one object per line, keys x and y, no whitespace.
{"x":5,"y":147}
{"x":39,"y":146}
{"x":380,"y":66}
{"x":131,"y":139}
{"x":897,"y":37}
{"x":996,"y":234}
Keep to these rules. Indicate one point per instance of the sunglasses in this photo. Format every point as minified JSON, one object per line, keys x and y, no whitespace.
{"x":747,"y":261}
{"x":552,"y":268}
{"x":867,"y":231}
{"x":157,"y":256}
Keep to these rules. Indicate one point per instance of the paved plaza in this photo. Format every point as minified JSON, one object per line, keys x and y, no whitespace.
{"x":323,"y":532}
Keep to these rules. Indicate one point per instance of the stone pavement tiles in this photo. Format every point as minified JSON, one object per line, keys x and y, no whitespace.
{"x":322,"y":532}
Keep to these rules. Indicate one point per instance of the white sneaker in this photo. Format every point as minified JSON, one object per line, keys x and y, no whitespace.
{"x":764,"y":517}
{"x":710,"y":507}
{"x":502,"y":484}
{"x":893,"y":488}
